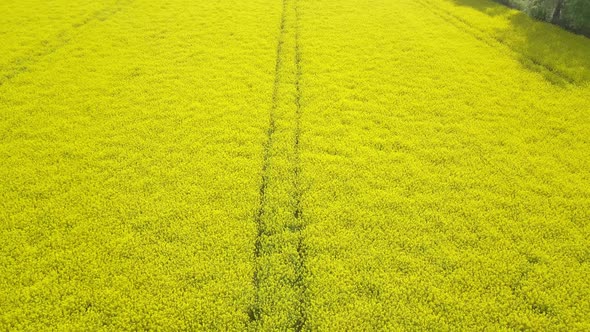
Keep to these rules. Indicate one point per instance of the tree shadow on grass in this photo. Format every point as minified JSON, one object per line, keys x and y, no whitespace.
{"x":488,"y":7}
{"x":560,"y":56}
{"x":562,"y":52}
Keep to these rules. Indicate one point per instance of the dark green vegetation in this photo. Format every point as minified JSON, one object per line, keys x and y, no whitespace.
{"x":570,"y":14}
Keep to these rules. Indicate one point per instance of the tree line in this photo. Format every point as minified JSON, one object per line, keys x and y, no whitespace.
{"x":573,"y":15}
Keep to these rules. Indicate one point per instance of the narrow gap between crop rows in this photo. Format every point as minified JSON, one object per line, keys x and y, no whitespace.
{"x":298,"y":211}
{"x":254,"y":312}
{"x":22,"y":64}
{"x":280,"y":252}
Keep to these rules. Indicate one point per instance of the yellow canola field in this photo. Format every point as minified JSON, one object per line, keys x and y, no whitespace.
{"x":295,"y":165}
{"x":130,"y":166}
{"x":449,"y":179}
{"x":33,"y":28}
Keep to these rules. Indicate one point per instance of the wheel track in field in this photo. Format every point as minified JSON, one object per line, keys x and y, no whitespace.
{"x":554,"y":75}
{"x":23,"y":63}
{"x":279,"y":277}
{"x":254,"y":312}
{"x":298,"y":193}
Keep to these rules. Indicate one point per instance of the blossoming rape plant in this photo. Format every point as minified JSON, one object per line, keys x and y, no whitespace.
{"x":292,"y":165}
